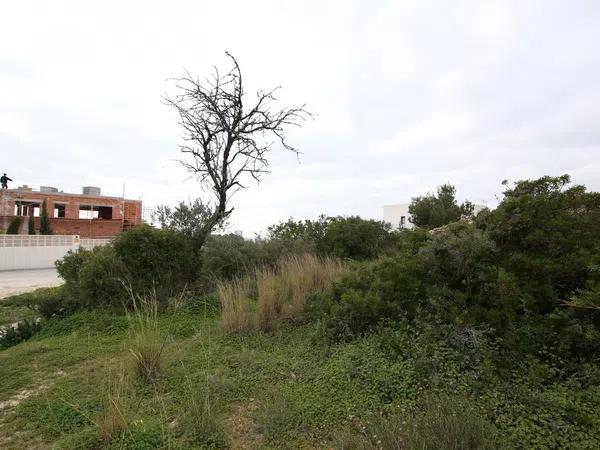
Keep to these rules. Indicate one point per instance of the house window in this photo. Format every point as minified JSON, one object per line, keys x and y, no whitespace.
{"x":60,"y":210}
{"x":87,"y":212}
{"x":24,"y":209}
{"x":402,"y":221}
{"x":95,"y":212}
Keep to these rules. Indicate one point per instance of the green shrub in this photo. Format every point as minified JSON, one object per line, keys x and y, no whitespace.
{"x":208,"y":304}
{"x":143,"y":260}
{"x":390,"y":288}
{"x":432,"y":211}
{"x":547,"y":234}
{"x":17,"y":333}
{"x":93,"y":278}
{"x":355,"y":238}
{"x":152,"y":259}
{"x":230,"y":256}
{"x":53,"y":302}
{"x":466,"y":285}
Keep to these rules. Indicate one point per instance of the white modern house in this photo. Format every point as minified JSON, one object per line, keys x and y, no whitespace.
{"x":398,"y":216}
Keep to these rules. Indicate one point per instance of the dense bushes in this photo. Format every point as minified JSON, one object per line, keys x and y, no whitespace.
{"x":391,"y":288}
{"x":229,"y":256}
{"x":432,"y":211}
{"x":355,"y":238}
{"x":142,"y":260}
{"x":511,"y":272}
{"x":156,"y":259}
{"x":341,"y":237}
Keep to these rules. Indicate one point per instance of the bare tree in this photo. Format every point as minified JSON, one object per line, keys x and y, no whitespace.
{"x":224,"y":141}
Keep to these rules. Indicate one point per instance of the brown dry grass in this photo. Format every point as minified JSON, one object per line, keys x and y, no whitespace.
{"x":280,"y":293}
{"x":268,"y":302}
{"x":236,"y":310}
{"x":114,"y":420}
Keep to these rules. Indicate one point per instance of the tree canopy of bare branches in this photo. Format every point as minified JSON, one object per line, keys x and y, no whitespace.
{"x":225,"y":141}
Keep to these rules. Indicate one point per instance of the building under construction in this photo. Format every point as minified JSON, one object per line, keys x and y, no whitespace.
{"x":89,"y":214}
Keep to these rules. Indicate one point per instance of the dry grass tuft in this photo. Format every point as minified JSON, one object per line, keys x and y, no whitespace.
{"x":114,"y":420}
{"x":236,"y":310}
{"x":300,"y":276}
{"x":269,"y":302}
{"x":280,"y":293}
{"x":148,"y":341}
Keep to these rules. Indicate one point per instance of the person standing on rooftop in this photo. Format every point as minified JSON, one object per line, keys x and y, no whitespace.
{"x":4,"y":180}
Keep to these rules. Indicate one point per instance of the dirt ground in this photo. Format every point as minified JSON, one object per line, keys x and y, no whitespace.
{"x":18,"y":281}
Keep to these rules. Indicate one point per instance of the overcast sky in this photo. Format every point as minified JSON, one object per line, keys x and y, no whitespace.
{"x":408,"y":95}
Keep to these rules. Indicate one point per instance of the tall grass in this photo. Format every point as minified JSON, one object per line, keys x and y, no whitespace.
{"x":236,"y":309}
{"x":272,"y":296}
{"x":269,"y":304}
{"x":300,"y":276}
{"x":114,"y":419}
{"x":147,"y":340}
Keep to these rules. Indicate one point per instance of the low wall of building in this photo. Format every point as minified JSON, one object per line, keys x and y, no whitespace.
{"x":94,"y":228}
{"x":20,"y":252}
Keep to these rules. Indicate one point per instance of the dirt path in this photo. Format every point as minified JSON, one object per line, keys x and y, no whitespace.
{"x":243,"y":433}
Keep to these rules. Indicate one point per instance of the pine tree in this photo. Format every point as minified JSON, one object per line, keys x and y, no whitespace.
{"x":45,"y":227}
{"x":31,"y":225}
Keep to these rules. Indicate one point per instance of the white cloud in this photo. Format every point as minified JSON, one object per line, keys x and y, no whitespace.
{"x":408,"y":95}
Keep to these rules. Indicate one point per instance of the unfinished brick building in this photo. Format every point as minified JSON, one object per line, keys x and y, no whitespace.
{"x":89,"y":215}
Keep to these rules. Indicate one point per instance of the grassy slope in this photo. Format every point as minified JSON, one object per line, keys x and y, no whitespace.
{"x":265,"y":390}
{"x":273,"y":390}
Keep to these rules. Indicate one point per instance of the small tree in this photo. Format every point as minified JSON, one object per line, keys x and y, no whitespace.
{"x":224,"y":139}
{"x":45,"y":227}
{"x":187,"y":218}
{"x":432,"y":211}
{"x":31,"y":225}
{"x":14,"y":226}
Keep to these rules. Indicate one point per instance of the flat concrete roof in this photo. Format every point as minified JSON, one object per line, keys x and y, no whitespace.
{"x":65,"y":194}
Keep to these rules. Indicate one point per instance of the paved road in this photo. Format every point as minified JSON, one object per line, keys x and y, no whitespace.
{"x":17,"y":281}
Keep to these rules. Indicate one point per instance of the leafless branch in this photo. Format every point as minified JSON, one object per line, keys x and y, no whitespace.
{"x":223,"y":141}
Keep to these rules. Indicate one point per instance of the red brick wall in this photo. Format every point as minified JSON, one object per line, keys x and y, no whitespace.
{"x":132,"y":211}
{"x":128,"y":210}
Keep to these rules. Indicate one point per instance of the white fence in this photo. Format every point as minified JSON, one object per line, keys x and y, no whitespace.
{"x":18,"y":252}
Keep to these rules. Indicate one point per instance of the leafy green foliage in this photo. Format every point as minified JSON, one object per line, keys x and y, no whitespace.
{"x":355,"y":238}
{"x":156,"y":259}
{"x":189,"y":219}
{"x":342,"y":237}
{"x":230,"y":256}
{"x":18,"y":332}
{"x":546,"y":233}
{"x":390,"y":288}
{"x":93,"y":278}
{"x":432,"y":211}
{"x":142,"y":260}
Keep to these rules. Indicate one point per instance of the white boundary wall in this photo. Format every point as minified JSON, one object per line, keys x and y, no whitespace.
{"x":20,"y":252}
